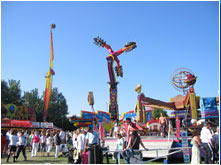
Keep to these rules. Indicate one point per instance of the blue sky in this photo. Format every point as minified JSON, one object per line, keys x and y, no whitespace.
{"x":169,"y":35}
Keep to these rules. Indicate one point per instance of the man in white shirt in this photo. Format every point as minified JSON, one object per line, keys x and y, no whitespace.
{"x":92,"y":137}
{"x":206,"y":139}
{"x":93,"y":142}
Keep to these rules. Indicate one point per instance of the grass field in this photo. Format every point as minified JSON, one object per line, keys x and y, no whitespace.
{"x":61,"y":160}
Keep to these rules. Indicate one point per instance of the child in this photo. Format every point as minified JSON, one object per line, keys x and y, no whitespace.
{"x":85,"y":156}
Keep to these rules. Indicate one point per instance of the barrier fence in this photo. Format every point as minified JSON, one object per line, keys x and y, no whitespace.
{"x":177,"y":149}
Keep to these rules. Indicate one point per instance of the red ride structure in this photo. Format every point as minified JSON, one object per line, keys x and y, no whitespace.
{"x":113,"y":56}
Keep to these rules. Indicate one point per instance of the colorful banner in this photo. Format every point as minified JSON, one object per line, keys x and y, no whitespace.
{"x":21,"y":123}
{"x":88,"y":115}
{"x":47,"y":125}
{"x":35,"y":124}
{"x":6,"y":123}
{"x":130,"y":114}
{"x":12,"y":111}
{"x":208,"y":107}
{"x":104,"y":117}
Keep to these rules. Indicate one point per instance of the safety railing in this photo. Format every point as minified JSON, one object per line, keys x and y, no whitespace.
{"x":177,"y":149}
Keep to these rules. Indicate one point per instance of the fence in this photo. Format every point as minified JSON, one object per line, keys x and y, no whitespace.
{"x":177,"y":149}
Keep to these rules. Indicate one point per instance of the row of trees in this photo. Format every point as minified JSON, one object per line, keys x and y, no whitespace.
{"x":11,"y":93}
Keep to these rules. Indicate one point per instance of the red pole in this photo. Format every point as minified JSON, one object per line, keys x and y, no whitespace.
{"x":178,"y":128}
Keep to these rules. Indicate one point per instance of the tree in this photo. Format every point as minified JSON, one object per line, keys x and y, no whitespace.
{"x":4,"y":92}
{"x":157,"y":112}
{"x":11,"y":92}
{"x":58,"y":109}
{"x":32,"y":100}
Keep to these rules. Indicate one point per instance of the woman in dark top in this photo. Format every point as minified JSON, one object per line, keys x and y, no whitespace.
{"x":133,"y":144}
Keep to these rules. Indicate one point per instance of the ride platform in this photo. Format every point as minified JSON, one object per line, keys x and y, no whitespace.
{"x":150,"y":142}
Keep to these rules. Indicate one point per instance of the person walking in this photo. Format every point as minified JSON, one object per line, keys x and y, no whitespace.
{"x":57,"y":143}
{"x":49,"y":143}
{"x":133,"y":144}
{"x":206,"y":138}
{"x":196,"y":142}
{"x":21,"y":146}
{"x":35,"y":143}
{"x":12,"y":145}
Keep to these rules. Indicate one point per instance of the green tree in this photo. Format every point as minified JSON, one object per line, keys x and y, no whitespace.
{"x":32,"y":100}
{"x":157,"y":112}
{"x":4,"y":92}
{"x":11,"y":92}
{"x":58,"y":109}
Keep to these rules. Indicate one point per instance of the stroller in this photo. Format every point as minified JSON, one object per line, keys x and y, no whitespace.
{"x":74,"y":156}
{"x":64,"y":149}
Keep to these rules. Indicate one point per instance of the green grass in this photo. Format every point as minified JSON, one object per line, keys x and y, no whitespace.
{"x":61,"y":160}
{"x":36,"y":160}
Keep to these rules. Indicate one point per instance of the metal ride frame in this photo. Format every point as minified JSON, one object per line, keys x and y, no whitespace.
{"x":178,"y":149}
{"x":113,"y":56}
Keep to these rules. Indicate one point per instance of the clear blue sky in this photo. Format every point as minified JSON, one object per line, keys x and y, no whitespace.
{"x":169,"y":35}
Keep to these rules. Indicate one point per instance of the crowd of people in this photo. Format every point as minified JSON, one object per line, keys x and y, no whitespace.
{"x":42,"y":142}
{"x":209,"y":142}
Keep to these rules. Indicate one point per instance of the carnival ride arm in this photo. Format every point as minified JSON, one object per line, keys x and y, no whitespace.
{"x":100,"y":42}
{"x":127,"y":47}
{"x":108,"y":47}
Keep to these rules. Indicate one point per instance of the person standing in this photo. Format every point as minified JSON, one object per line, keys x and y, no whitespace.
{"x":120,"y":146}
{"x":163,"y":124}
{"x":133,"y":144}
{"x":116,"y":130}
{"x":43,"y":143}
{"x":57,"y":144}
{"x":49,"y":143}
{"x":215,"y":140}
{"x":81,"y":140}
{"x":206,"y":138}
{"x":3,"y":143}
{"x":196,"y":142}
{"x":92,"y":137}
{"x":62,"y":136}
{"x":35,"y":142}
{"x":74,"y":138}
{"x":12,"y":145}
{"x":93,"y":142}
{"x":29,"y":141}
{"x":21,"y":146}
{"x":8,"y":134}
